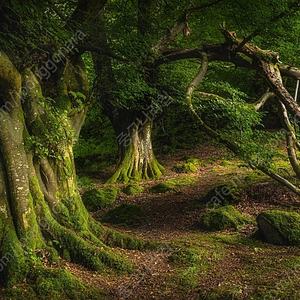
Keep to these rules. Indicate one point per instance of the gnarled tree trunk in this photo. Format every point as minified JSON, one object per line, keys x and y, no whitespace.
{"x":40,"y":207}
{"x":136,"y":156}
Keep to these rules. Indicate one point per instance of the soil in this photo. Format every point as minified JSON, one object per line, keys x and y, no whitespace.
{"x":246,"y":269}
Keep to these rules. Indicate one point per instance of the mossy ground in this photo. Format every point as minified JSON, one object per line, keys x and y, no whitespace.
{"x":174,"y":259}
{"x":45,"y":284}
{"x":172,"y":185}
{"x":185,"y":168}
{"x":228,"y":264}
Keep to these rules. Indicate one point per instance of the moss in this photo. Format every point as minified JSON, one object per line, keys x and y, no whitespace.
{"x":128,"y":214}
{"x":62,"y":103}
{"x":191,"y":260}
{"x":94,"y":255}
{"x":280,"y":227}
{"x":14,"y":266}
{"x":95,"y":227}
{"x":125,"y":241}
{"x":226,"y":163}
{"x":95,"y":198}
{"x":53,"y":255}
{"x":66,"y":255}
{"x":222,"y":218}
{"x":83,"y":181}
{"x":220,"y":195}
{"x":254,"y":177}
{"x":172,"y":185}
{"x":195,"y":161}
{"x":42,"y":284}
{"x":133,"y":189}
{"x":185,"y":168}
{"x":129,"y":170}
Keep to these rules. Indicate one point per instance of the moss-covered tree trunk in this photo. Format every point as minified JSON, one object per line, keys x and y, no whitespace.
{"x":41,"y":212}
{"x":136,"y":156}
{"x":136,"y":160}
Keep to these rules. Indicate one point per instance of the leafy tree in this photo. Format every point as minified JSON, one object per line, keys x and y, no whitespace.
{"x":45,"y":92}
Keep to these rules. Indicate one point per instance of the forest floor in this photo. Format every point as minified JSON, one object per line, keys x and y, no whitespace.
{"x":192,"y":263}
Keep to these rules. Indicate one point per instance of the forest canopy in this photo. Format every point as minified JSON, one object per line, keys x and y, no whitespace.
{"x":119,"y":81}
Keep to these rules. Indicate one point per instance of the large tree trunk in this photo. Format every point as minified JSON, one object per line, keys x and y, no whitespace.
{"x":40,"y":207}
{"x":136,"y":157}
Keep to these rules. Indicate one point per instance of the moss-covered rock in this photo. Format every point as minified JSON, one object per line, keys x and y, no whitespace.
{"x":128,"y":214}
{"x":95,"y":198}
{"x":279,"y":227}
{"x":195,"y":161}
{"x":133,"y":189}
{"x":172,"y":185}
{"x":185,"y":168}
{"x":222,"y":218}
{"x":221,"y":195}
{"x":226,"y":163}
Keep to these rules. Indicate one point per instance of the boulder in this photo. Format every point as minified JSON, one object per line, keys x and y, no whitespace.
{"x":279,"y":227}
{"x":172,"y":185}
{"x":221,"y":195}
{"x":133,"y":189}
{"x":185,"y":168}
{"x":95,"y":198}
{"x":128,"y":214}
{"x":222,"y":218}
{"x":195,"y":161}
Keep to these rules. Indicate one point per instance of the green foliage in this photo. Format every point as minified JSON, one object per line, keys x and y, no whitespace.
{"x":34,"y":255}
{"x":127,"y":214}
{"x":84,"y":181}
{"x":133,"y":189}
{"x":51,"y":133}
{"x":95,"y":198}
{"x":172,"y":185}
{"x":97,"y":146}
{"x":222,"y":218}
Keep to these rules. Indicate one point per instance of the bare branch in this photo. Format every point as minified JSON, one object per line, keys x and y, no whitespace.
{"x":291,"y":137}
{"x":291,"y":72}
{"x":281,"y":180}
{"x":201,"y":73}
{"x":180,"y":25}
{"x":263,"y":99}
{"x":235,"y":148}
{"x":296,"y":91}
{"x":171,"y":34}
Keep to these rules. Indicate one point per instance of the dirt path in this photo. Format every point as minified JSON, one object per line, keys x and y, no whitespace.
{"x":228,"y":264}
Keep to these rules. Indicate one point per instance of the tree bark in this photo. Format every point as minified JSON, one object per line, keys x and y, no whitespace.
{"x":40,"y":207}
{"x":136,"y":157}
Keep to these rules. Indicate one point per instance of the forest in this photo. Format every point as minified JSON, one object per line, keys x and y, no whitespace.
{"x":149,"y":149}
